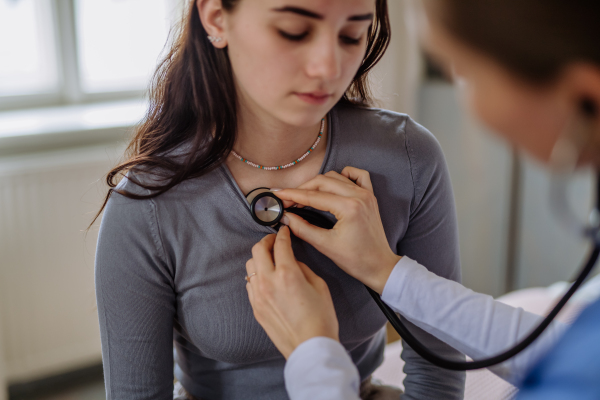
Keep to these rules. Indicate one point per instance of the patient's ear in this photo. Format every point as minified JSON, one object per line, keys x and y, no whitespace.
{"x":213,"y":19}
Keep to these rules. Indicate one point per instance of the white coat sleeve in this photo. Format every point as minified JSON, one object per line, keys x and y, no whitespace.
{"x":473,"y":323}
{"x":321,"y":369}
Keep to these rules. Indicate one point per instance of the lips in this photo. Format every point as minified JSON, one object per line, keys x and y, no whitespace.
{"x":317,"y":97}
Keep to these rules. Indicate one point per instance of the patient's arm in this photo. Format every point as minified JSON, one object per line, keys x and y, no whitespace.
{"x":473,"y":323}
{"x":136,"y":301}
{"x":432,"y":238}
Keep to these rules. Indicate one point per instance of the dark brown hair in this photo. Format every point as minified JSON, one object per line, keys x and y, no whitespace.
{"x":534,"y":39}
{"x":193,"y":101}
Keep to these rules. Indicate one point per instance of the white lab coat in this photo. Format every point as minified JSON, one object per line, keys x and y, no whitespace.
{"x":471,"y":322}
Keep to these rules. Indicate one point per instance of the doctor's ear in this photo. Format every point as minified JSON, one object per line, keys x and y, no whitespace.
{"x":212,"y":17}
{"x":582,"y":84}
{"x":589,"y":108}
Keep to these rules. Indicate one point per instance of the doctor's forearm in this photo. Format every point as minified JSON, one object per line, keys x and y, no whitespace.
{"x":472,"y":323}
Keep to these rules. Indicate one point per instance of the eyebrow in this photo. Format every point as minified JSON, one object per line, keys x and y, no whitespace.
{"x":310,"y":14}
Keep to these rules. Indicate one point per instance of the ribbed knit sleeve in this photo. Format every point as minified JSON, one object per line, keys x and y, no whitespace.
{"x":432,"y":239}
{"x":136,"y":302}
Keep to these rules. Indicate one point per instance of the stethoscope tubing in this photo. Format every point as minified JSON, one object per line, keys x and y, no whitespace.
{"x":408,"y":338}
{"x":433,"y":358}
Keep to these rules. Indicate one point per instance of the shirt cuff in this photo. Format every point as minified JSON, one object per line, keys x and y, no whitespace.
{"x":392,"y":291}
{"x":320,"y":368}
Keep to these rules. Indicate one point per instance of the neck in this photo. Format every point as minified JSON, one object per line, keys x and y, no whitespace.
{"x":273,"y":143}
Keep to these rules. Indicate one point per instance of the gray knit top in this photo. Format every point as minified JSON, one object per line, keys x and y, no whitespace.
{"x":170,"y":272}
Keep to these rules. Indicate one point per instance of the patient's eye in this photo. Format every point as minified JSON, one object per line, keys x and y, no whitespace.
{"x":293,"y":37}
{"x":350,"y":40}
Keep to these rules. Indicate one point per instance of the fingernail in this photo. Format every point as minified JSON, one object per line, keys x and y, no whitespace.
{"x":285,"y":220}
{"x":275,"y":190}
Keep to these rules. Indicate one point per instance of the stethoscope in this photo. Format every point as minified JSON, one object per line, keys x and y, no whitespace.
{"x":267,"y":210}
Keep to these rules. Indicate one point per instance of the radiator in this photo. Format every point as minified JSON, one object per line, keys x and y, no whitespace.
{"x":48,"y":320}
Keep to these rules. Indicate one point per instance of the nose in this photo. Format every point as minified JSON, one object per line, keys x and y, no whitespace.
{"x":324,"y":59}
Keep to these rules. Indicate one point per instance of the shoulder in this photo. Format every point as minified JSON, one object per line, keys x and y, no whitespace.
{"x":393,"y":141}
{"x":125,"y":214}
{"x":384,"y":127}
{"x":132,"y":184}
{"x":130,"y":234}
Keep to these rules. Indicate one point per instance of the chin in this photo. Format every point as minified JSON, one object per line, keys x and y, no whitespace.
{"x":305,"y":117}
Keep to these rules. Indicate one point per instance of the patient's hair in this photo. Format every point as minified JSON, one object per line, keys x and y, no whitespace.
{"x":193,"y":101}
{"x":534,"y":39}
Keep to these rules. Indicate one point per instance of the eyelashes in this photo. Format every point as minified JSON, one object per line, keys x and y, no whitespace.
{"x":293,"y":38}
{"x":349,"y":40}
{"x":300,"y":37}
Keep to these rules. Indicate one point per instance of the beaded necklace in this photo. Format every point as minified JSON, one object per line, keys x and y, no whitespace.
{"x":319,"y":136}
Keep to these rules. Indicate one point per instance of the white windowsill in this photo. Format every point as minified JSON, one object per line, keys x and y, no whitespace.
{"x":67,"y":126}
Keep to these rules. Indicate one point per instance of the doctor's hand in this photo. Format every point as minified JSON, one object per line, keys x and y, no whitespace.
{"x":289,"y":300}
{"x":357,"y":243}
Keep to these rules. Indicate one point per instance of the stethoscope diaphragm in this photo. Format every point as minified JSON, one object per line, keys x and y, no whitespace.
{"x":267,"y":210}
{"x":265,"y":207}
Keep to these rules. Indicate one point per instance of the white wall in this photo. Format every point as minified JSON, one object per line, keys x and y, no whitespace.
{"x":3,"y":382}
{"x":397,"y":77}
{"x":480,"y":171}
{"x":547,"y":251}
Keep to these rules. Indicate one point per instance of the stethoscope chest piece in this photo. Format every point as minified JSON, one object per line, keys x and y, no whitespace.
{"x":266,"y":208}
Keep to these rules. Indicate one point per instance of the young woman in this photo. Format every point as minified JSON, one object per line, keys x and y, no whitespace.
{"x":532,"y":73}
{"x":258,"y":93}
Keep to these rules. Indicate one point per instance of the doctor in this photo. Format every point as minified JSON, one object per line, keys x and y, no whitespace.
{"x":531,"y":71}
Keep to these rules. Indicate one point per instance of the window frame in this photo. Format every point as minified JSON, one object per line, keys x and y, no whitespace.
{"x":68,"y":90}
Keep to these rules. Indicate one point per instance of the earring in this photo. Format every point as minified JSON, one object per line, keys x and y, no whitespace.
{"x":214,"y":39}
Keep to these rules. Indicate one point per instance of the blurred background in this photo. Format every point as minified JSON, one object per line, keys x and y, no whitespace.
{"x":73,"y":74}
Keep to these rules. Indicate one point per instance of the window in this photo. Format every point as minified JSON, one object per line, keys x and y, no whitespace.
{"x":55,"y":52}
{"x":27,"y":48}
{"x":124,"y":56}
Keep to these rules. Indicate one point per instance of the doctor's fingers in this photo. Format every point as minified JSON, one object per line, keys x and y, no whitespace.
{"x":250,"y":291}
{"x":339,"y":177}
{"x":317,"y":237}
{"x":334,"y":183}
{"x":323,"y":201}
{"x":361,"y":177}
{"x":262,"y":257}
{"x":315,"y":184}
{"x":288,"y":269}
{"x":260,"y":305}
{"x":315,"y":280}
{"x":282,"y":250}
